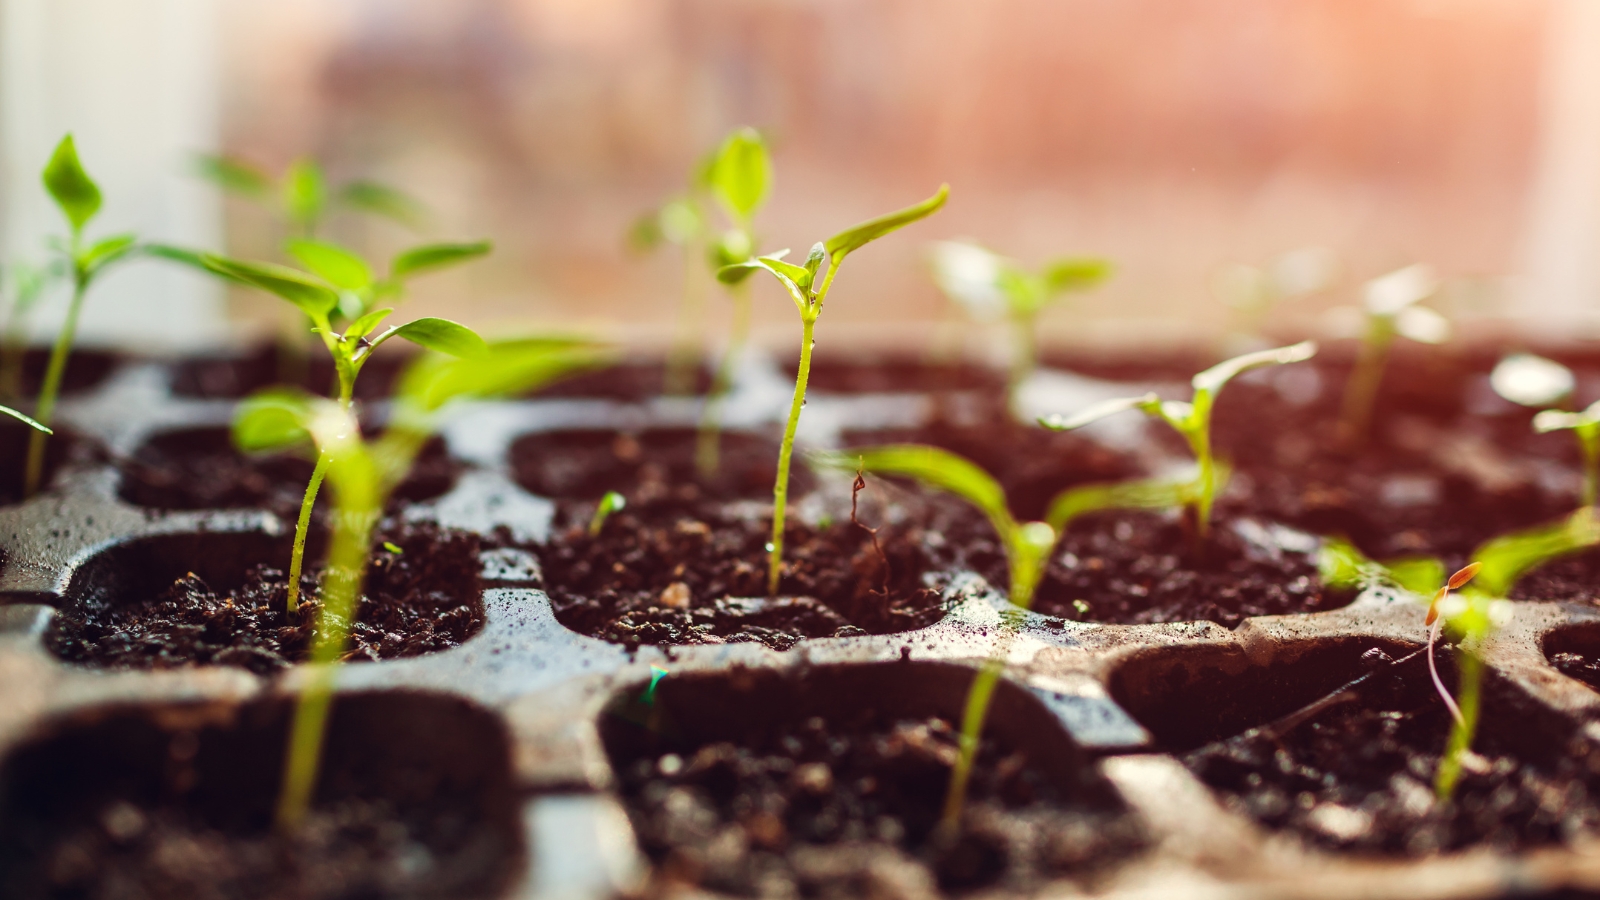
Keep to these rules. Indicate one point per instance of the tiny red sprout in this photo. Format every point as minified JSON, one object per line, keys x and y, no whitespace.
{"x":1454,"y":583}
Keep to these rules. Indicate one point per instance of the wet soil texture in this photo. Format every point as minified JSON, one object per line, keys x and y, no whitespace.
{"x":649,"y":466}
{"x":898,"y":375}
{"x":421,"y":599}
{"x":414,"y":802}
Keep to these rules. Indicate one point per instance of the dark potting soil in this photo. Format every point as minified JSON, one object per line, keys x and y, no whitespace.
{"x":62,"y":447}
{"x":1574,"y":578}
{"x":414,"y":801}
{"x":233,"y":377}
{"x":648,"y":466}
{"x":848,"y":805}
{"x":85,"y":371}
{"x":628,"y":383}
{"x":892,"y":375}
{"x":199,"y":468}
{"x":673,"y":574}
{"x":1358,"y":776}
{"x":422,"y":599}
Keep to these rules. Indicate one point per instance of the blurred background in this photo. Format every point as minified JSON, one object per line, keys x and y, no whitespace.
{"x":1173,"y":137}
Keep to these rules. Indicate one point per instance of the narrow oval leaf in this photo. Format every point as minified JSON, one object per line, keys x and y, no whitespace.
{"x":363,"y":326}
{"x":382,"y":200}
{"x":841,"y":244}
{"x":445,"y":336}
{"x":1096,"y":412}
{"x":305,"y":291}
{"x":742,"y":173}
{"x":234,"y":175}
{"x":105,"y":252}
{"x":274,"y":419}
{"x":933,"y":467}
{"x":1555,"y":419}
{"x":1212,"y":379}
{"x":304,"y":194}
{"x":1463,"y":575}
{"x":25,"y":419}
{"x":1075,"y":274}
{"x":436,"y":256}
{"x":1507,"y":558}
{"x":1152,"y":493}
{"x":336,"y":265}
{"x":739,"y":271}
{"x":510,"y":368}
{"x":70,"y":186}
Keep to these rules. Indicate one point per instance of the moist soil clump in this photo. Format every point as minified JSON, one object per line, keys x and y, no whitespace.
{"x":201,"y":469}
{"x":672,"y":574}
{"x":848,"y":805}
{"x":419,"y":600}
{"x":648,"y":466}
{"x":1358,"y":776}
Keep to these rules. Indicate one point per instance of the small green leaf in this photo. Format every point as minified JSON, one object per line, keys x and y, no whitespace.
{"x":1211,"y":380}
{"x":445,"y":336}
{"x":1149,"y":403}
{"x":436,"y":256}
{"x":934,"y":467}
{"x":234,"y":175}
{"x":364,"y":325}
{"x":105,"y":252}
{"x":814,"y":260}
{"x":780,"y":270}
{"x":26,"y":420}
{"x":274,"y":419}
{"x":1150,"y":493}
{"x":1508,"y":557}
{"x":1075,"y":274}
{"x":313,"y":296}
{"x":392,"y":547}
{"x":851,"y":239}
{"x":383,"y":200}
{"x":304,"y":193}
{"x":742,"y":173}
{"x":610,"y":503}
{"x":336,"y":265}
{"x":71,"y":187}
{"x":510,"y":368}
{"x":1557,"y":420}
{"x":731,"y":248}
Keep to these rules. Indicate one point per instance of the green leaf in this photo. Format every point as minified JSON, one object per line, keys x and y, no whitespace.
{"x":742,"y":174}
{"x":445,"y":336}
{"x":933,"y":467}
{"x":780,"y":270}
{"x":363,"y":326}
{"x":336,"y":265}
{"x":194,"y":259}
{"x":105,"y":252}
{"x":1150,"y":493}
{"x":814,"y":260}
{"x":1557,"y":420}
{"x":382,"y":200}
{"x":851,"y":239}
{"x":1508,"y":557}
{"x":274,"y":419}
{"x":510,"y":368}
{"x":1341,"y":564}
{"x":1211,"y":380}
{"x":436,"y":256}
{"x":1075,"y":274}
{"x":304,"y":193}
{"x":26,"y":420}
{"x":610,"y":503}
{"x":234,"y":175}
{"x":313,"y":296}
{"x":1149,"y":403}
{"x":645,"y":234}
{"x":74,"y":192}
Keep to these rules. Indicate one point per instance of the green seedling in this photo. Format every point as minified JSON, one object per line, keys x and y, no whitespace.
{"x":363,"y":474}
{"x":1535,"y":381}
{"x":23,"y":286}
{"x":612,"y":502}
{"x":989,"y":286}
{"x":340,"y":288}
{"x":301,"y":195}
{"x":1027,"y":546}
{"x":809,"y":295}
{"x":1252,"y":292}
{"x":1192,"y":419}
{"x":1391,"y":307}
{"x":78,"y":198}
{"x":1341,"y":565}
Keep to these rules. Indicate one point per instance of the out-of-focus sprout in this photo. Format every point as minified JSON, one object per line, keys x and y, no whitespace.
{"x":1535,"y":381}
{"x":1391,"y":307}
{"x":301,"y":194}
{"x":1253,"y":291}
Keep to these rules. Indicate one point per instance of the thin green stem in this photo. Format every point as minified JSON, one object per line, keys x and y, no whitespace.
{"x":45,"y":409}
{"x":1361,"y":392}
{"x":297,"y":556}
{"x":1201,"y":442}
{"x":1023,"y":354}
{"x":780,"y":488}
{"x":686,"y":351}
{"x":1470,"y":670}
{"x":708,"y":441}
{"x":1589,"y":441}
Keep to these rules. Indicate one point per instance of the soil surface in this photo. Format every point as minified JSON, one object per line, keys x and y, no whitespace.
{"x":125,"y":809}
{"x":1358,"y":776}
{"x":628,"y":383}
{"x":199,"y":468}
{"x":86,"y":370}
{"x":673,"y":574}
{"x":847,"y":806}
{"x":649,"y":466}
{"x":233,"y":377}
{"x":419,"y":600}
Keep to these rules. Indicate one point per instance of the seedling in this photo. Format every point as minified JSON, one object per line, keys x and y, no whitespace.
{"x":340,"y":287}
{"x":1391,"y":308}
{"x":301,"y":196}
{"x":1252,"y":292}
{"x":1027,"y":546}
{"x":78,"y":197}
{"x":989,"y":286}
{"x":1192,"y":419}
{"x":610,"y":503}
{"x":809,"y":295}
{"x":1535,"y":381}
{"x":363,"y":474}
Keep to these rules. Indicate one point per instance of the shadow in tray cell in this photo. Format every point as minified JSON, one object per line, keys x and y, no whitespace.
{"x":1338,"y":741}
{"x":627,"y":383}
{"x":833,"y":779}
{"x":221,"y":598}
{"x":60,"y":448}
{"x":416,"y":799}
{"x":1575,"y":652}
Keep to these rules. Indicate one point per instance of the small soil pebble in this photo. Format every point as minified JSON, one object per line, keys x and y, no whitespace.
{"x":649,"y":465}
{"x":669,"y":574}
{"x":419,"y":599}
{"x":849,"y":804}
{"x":1359,"y":774}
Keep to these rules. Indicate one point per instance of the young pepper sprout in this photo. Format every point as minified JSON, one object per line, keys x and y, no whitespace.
{"x":1253,"y":291}
{"x":340,"y":287}
{"x":989,"y":286}
{"x":1535,"y":381}
{"x":1027,"y":546}
{"x":1192,"y":419}
{"x":362,"y":475}
{"x":809,"y":295}
{"x":301,"y":194}
{"x":1390,"y":306}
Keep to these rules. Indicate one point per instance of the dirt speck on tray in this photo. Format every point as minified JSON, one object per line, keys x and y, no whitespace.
{"x":671,"y":574}
{"x":422,"y":599}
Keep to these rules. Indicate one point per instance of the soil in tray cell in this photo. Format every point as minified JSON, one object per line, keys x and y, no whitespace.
{"x":648,"y":466}
{"x":698,"y":575}
{"x":199,"y":468}
{"x":221,"y":599}
{"x":1357,"y":773}
{"x":234,"y":377}
{"x":1575,"y":652}
{"x":833,"y":786}
{"x":86,"y":370}
{"x":415,"y":800}
{"x":627,"y":383}
{"x":894,"y":376}
{"x":64,"y":446}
